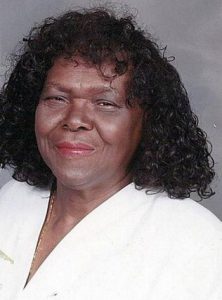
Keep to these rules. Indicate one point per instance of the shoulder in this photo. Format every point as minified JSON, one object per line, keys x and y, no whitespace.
{"x":179,"y":218}
{"x":179,"y":237}
{"x":19,"y":204}
{"x":15,"y":194}
{"x":186,"y":211}
{"x":191,"y":236}
{"x":13,"y":185}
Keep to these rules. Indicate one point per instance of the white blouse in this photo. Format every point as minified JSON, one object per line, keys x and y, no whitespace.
{"x":132,"y":247}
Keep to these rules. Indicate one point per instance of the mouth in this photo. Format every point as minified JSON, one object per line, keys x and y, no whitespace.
{"x":74,"y":149}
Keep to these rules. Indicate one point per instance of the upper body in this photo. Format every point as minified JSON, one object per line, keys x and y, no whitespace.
{"x":133,"y":246}
{"x":91,"y":107}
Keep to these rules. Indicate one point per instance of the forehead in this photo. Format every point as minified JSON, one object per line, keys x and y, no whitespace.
{"x":79,"y":73}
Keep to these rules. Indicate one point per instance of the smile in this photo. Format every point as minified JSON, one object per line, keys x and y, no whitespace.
{"x":74,"y":149}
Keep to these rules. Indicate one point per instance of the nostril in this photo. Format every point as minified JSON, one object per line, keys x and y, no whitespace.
{"x":76,"y":127}
{"x":78,"y":117}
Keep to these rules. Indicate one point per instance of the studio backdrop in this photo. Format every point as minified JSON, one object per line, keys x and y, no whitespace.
{"x":192,"y":31}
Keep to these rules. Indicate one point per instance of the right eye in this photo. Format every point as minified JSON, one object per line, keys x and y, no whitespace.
{"x":54,"y":101}
{"x":56,"y":98}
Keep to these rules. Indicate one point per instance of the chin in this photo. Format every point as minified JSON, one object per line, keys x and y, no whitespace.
{"x":74,"y":181}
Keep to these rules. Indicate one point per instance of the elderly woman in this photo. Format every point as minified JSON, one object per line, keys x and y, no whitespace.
{"x":99,"y":131}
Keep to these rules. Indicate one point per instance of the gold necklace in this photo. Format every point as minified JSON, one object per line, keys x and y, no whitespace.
{"x":42,"y":232}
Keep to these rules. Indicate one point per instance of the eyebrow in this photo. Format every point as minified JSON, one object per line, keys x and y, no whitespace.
{"x":97,"y":89}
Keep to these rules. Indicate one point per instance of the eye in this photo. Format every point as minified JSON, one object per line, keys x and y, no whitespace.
{"x":56,"y":98}
{"x":53,"y":100}
{"x":106,"y":104}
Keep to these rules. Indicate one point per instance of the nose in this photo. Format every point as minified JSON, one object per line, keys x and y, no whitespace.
{"x":78,"y":116}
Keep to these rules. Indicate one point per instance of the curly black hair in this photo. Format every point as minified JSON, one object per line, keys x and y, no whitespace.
{"x":174,"y":154}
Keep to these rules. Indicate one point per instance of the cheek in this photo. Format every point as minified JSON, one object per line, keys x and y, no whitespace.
{"x":38,"y":122}
{"x":121,"y":132}
{"x":45,"y":121}
{"x":41,"y":127}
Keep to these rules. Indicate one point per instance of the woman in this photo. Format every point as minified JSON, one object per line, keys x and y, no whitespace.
{"x":92,"y":110}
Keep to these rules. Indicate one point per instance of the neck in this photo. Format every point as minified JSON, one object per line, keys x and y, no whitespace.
{"x":73,"y":204}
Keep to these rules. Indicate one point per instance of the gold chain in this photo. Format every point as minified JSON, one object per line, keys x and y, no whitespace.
{"x":43,"y":230}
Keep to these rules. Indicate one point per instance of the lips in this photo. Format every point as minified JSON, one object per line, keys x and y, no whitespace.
{"x":74,"y":149}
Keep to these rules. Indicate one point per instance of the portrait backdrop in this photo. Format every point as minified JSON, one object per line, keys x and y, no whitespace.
{"x":192,"y":31}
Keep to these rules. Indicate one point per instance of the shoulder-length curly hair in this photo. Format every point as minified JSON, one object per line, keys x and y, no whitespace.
{"x":173,"y":156}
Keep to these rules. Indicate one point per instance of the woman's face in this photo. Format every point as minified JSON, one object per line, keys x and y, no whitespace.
{"x":85,"y":132}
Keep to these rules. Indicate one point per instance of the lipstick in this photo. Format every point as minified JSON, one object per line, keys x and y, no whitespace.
{"x":74,"y":149}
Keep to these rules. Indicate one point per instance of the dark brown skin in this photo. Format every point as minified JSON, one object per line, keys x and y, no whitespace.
{"x":79,"y":105}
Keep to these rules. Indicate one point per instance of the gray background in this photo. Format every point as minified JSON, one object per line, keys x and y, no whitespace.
{"x":191,"y":29}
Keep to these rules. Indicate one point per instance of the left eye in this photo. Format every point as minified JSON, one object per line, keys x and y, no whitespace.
{"x":105,"y":103}
{"x":57,"y":98}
